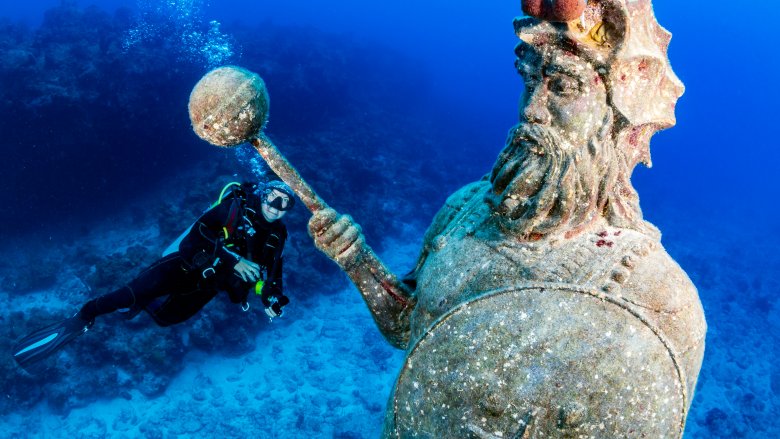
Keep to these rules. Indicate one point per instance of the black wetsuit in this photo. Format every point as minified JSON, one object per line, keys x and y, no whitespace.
{"x":177,"y":286}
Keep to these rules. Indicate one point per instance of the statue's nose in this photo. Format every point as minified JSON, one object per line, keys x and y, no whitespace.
{"x":535,"y":107}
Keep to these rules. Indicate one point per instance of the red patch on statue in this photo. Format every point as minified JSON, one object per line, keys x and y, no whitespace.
{"x":633,"y":138}
{"x":554,"y":10}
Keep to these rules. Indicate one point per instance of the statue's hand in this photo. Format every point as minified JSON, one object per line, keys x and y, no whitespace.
{"x":337,"y":236}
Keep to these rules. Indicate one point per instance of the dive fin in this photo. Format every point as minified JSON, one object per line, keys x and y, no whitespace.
{"x":46,"y":341}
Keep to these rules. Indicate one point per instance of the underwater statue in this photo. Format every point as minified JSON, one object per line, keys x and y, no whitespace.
{"x":542,"y":304}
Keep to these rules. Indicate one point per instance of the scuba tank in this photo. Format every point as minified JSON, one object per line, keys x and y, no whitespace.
{"x":174,"y":246}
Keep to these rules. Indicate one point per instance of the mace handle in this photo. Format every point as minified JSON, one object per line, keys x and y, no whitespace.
{"x":399,"y":295}
{"x":279,"y":164}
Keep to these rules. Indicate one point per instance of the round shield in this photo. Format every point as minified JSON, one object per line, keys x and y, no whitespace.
{"x":540,"y":361}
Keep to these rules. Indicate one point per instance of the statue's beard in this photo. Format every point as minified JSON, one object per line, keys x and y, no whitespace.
{"x":544,"y":184}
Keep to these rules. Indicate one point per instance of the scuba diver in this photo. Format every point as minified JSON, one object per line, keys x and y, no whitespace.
{"x":235,"y":246}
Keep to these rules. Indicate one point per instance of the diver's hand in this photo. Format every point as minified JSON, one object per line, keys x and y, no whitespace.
{"x":247,"y":270}
{"x":337,"y":236}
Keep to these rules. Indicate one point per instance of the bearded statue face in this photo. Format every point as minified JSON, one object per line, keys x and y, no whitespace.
{"x":558,"y":165}
{"x":563,"y":94}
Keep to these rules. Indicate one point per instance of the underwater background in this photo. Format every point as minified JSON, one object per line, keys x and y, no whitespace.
{"x":385,"y":108}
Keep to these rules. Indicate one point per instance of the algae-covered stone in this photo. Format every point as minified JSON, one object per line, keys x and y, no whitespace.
{"x":228,"y":106}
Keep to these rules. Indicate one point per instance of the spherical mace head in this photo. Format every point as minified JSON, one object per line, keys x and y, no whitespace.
{"x":228,"y":106}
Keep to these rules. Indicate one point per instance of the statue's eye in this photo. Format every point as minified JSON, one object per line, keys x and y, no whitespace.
{"x":531,"y":81}
{"x":564,"y":85}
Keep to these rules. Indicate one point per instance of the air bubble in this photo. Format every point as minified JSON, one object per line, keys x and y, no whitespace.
{"x":182,"y":22}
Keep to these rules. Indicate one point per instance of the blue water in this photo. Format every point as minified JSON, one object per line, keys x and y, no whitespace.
{"x":386,"y":108}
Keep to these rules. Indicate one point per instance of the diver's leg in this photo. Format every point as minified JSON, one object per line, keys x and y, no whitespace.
{"x":161,"y":278}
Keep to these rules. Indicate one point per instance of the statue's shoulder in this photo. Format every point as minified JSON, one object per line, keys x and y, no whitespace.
{"x":455,"y":204}
{"x":653,"y":279}
{"x":654,"y":285}
{"x":465,"y":195}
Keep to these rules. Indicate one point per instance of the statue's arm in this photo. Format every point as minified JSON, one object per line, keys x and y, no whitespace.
{"x":389,"y":300}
